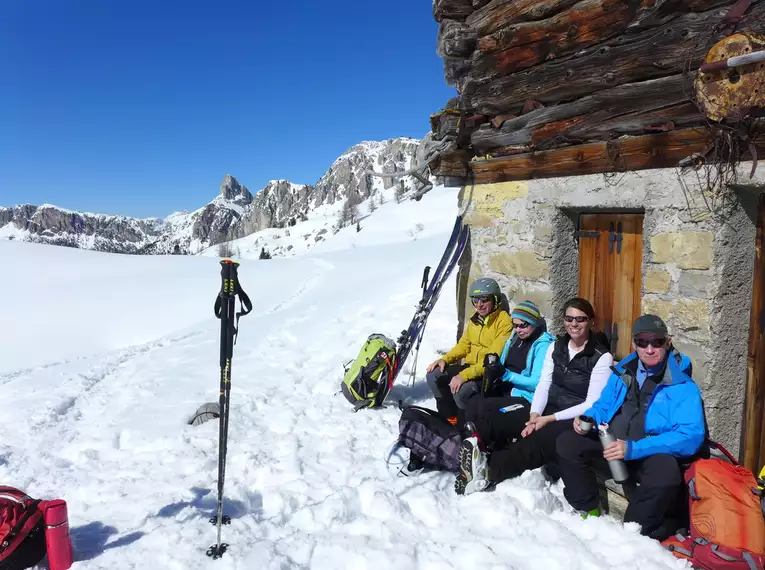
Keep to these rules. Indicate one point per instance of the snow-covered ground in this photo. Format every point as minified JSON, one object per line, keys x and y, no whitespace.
{"x":104,"y":358}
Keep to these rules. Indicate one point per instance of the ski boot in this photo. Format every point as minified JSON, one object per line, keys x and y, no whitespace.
{"x":474,"y":468}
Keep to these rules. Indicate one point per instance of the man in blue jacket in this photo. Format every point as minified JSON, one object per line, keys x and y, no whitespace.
{"x":654,"y":409}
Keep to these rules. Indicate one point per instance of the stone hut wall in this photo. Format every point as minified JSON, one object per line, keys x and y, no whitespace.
{"x":698,"y":255}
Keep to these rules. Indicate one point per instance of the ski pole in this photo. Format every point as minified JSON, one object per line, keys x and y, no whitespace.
{"x":416,"y":356}
{"x":225,"y":310}
{"x":424,"y":286}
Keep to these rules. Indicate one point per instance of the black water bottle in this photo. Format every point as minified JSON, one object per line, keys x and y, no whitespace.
{"x":492,"y":372}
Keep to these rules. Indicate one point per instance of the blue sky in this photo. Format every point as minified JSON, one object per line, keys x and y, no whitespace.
{"x":141,"y":107}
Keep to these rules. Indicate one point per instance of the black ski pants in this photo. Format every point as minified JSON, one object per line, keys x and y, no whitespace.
{"x":449,"y":404}
{"x":652,"y":490}
{"x":498,"y":420}
{"x":531,"y":452}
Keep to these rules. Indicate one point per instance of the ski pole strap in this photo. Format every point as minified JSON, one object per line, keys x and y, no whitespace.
{"x":232,"y":289}
{"x":245,"y":304}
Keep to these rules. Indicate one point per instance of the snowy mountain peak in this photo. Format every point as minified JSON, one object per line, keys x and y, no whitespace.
{"x":230,"y":189}
{"x":284,"y":181}
{"x":348,"y":174}
{"x":284,"y":186}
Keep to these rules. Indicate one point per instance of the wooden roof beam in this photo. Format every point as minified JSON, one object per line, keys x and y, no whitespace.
{"x":662,"y":150}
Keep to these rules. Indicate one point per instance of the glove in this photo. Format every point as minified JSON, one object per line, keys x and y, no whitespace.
{"x":492,"y":374}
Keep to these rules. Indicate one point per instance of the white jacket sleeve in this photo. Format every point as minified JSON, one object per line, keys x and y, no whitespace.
{"x":539,"y":401}
{"x":598,"y":380}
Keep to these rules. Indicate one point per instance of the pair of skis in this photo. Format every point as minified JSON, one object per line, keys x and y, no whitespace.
{"x":412,"y":336}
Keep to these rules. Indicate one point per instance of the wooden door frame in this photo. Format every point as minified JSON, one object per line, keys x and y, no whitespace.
{"x":590,"y":225}
{"x":753,"y":428}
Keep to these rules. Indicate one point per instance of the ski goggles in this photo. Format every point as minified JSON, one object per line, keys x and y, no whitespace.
{"x":654,"y":342}
{"x":571,"y":319}
{"x":482,"y":299}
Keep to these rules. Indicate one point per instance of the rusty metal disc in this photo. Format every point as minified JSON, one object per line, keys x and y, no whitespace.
{"x":731,"y":93}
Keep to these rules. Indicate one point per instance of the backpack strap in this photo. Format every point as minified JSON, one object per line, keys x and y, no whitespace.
{"x":421,"y":409}
{"x":692,"y":490}
{"x":387,"y":378}
{"x":749,"y":560}
{"x":363,"y":404}
{"x":721,"y":448}
{"x":745,"y":556}
{"x":29,"y":511}
{"x":680,"y":549}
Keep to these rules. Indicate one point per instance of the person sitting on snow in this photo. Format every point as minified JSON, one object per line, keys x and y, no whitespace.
{"x":500,"y":417}
{"x":655,"y":410}
{"x":576,"y":368}
{"x":453,"y":384}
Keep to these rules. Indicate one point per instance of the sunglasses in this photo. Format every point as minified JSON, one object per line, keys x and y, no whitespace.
{"x":482,"y":299}
{"x":522,"y":325}
{"x":654,"y":342}
{"x":570,"y":319}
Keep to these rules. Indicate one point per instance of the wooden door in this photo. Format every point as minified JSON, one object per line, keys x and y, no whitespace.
{"x":610,"y":262}
{"x":754,"y":407}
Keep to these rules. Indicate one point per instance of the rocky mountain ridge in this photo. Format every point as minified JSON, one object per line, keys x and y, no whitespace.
{"x":234,"y":213}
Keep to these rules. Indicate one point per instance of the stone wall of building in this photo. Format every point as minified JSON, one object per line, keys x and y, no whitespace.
{"x":698,"y":255}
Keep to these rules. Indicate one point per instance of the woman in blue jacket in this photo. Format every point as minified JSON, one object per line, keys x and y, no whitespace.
{"x":502,"y":417}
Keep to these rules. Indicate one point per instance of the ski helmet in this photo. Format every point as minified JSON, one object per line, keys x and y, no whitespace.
{"x":484,"y":286}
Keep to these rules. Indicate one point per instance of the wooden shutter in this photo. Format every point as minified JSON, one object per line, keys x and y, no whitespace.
{"x":754,"y":424}
{"x":610,"y":261}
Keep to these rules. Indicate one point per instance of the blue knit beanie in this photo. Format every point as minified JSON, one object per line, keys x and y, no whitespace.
{"x":527,"y":311}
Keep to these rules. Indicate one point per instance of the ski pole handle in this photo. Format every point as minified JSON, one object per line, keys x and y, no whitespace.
{"x":228,"y":275}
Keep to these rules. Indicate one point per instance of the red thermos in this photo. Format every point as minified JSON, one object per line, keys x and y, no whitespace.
{"x":57,"y":535}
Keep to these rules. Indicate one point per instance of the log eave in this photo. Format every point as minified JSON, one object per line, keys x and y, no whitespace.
{"x":626,"y":154}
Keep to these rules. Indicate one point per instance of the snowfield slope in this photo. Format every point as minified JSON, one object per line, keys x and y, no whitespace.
{"x":105,"y":357}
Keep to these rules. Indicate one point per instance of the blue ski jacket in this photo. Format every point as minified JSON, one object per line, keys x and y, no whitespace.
{"x":674,"y":419}
{"x":526,"y":381}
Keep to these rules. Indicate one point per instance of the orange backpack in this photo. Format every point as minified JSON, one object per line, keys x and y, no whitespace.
{"x":727,"y":528}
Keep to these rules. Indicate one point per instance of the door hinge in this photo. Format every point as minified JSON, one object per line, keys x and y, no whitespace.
{"x":586,"y":234}
{"x":615,"y":236}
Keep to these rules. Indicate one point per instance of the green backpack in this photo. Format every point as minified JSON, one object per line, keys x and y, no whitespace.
{"x":368,"y":379}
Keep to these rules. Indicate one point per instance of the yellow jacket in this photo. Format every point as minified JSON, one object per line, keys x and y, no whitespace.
{"x":481,"y":337}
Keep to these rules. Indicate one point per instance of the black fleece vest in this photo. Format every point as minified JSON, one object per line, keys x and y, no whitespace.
{"x":571,"y":378}
{"x":518,"y":354}
{"x":629,"y":420}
